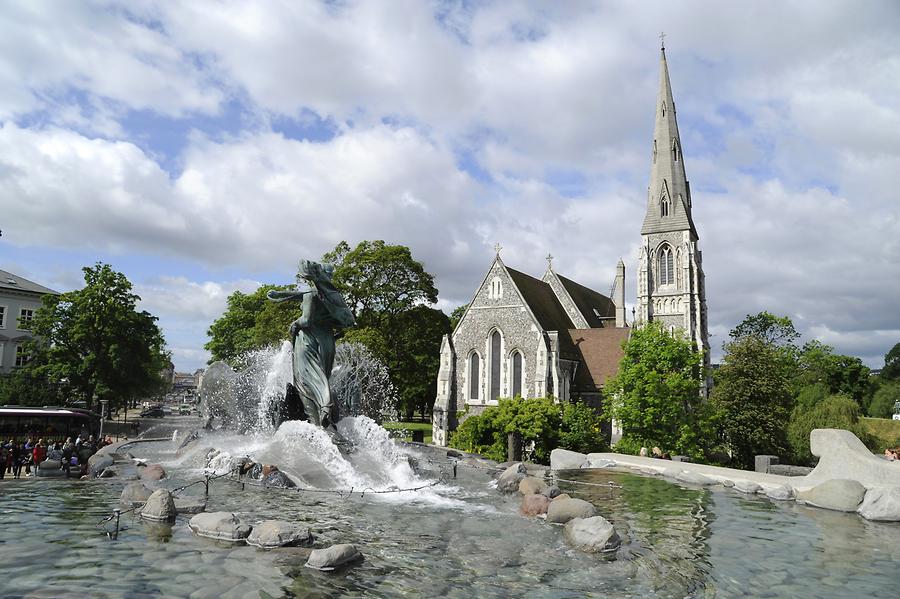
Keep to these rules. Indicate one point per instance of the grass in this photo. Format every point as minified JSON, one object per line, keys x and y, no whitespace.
{"x":409,"y":427}
{"x":886,"y":431}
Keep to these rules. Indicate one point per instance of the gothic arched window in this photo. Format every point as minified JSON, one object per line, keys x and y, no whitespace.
{"x":474,"y":368}
{"x":675,"y":150}
{"x":516,"y":374}
{"x":664,"y":206}
{"x":666,"y":266}
{"x":496,"y":358}
{"x":654,"y":151}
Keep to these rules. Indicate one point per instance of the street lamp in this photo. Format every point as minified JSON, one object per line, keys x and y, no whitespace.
{"x":103,"y":404}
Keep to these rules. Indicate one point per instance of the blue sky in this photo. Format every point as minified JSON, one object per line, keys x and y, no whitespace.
{"x":206,"y":147}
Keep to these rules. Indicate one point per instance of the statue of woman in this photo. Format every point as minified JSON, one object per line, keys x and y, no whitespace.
{"x":312,"y":336}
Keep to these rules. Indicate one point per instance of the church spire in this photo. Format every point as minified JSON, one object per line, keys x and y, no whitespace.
{"x":669,"y":195}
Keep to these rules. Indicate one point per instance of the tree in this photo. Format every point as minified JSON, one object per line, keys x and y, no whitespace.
{"x":390,"y":292}
{"x":752,"y":395}
{"x":818,"y":364}
{"x":891,"y":369}
{"x":457,"y":315}
{"x":768,"y":328}
{"x":250,"y":322}
{"x":835,"y":411}
{"x":656,"y":394}
{"x":96,"y":343}
{"x":882,"y":405}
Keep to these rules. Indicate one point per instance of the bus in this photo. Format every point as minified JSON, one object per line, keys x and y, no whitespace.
{"x":48,"y":423}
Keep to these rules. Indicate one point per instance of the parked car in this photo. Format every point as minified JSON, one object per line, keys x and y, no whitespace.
{"x":154,"y":412}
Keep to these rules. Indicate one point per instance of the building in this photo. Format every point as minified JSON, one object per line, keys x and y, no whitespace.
{"x":19,"y":300}
{"x":530,"y":337}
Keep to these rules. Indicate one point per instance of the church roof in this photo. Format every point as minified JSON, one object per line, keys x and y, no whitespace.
{"x":543,"y":302}
{"x":587,"y":301}
{"x":16,"y":283}
{"x":599,"y":351}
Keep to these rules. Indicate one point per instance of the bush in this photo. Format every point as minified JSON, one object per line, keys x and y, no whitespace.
{"x":540,"y":420}
{"x":882,"y":405}
{"x":835,"y":411}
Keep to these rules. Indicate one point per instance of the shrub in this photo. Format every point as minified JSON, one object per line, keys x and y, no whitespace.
{"x":882,"y":405}
{"x":581,"y":429}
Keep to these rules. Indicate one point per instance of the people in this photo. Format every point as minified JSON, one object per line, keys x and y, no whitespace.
{"x":892,"y":453}
{"x":38,"y":453}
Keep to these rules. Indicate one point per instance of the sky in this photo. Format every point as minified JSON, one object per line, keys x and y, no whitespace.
{"x":205,"y":147}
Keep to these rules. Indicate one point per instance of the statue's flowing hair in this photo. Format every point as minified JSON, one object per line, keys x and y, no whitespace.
{"x":320,"y":276}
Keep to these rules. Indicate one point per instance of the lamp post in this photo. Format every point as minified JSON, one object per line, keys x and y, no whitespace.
{"x":103,"y":404}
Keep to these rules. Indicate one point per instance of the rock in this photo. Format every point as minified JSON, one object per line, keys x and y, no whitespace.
{"x":600,"y":463}
{"x":531,"y":485}
{"x":223,"y":526}
{"x":781,"y":493}
{"x":563,"y":459}
{"x":160,"y":507}
{"x":511,"y":477}
{"x":840,"y":494}
{"x":190,"y":505}
{"x":747,"y":486}
{"x":727,"y":483}
{"x":562,"y":496}
{"x":694,"y":478}
{"x":278,"y":533}
{"x":563,"y":510}
{"x":277,"y":478}
{"x":255,"y":471}
{"x":134,"y":494}
{"x":552,"y":491}
{"x":268,"y":469}
{"x":97,"y":463}
{"x":153,"y":472}
{"x":333,"y":557}
{"x":49,"y":469}
{"x":109,"y":472}
{"x":452,"y":453}
{"x":593,"y":535}
{"x":881,"y":503}
{"x":534,"y":505}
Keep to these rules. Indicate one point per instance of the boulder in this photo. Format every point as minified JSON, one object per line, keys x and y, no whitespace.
{"x":593,"y":535}
{"x":839,"y":494}
{"x":278,"y":479}
{"x":552,"y":491}
{"x":747,"y":486}
{"x":278,"y":533}
{"x":333,"y":557}
{"x":511,"y":477}
{"x":694,"y":478}
{"x":268,"y":469}
{"x":531,"y":485}
{"x":134,"y":494}
{"x":160,"y":507}
{"x":153,"y":472}
{"x":49,"y":469}
{"x":562,"y":496}
{"x":98,"y":462}
{"x":727,"y":483}
{"x":534,"y":505}
{"x":223,"y":526}
{"x":563,"y":510}
{"x":190,"y":505}
{"x":563,"y":459}
{"x":780,"y":493}
{"x":881,"y":503}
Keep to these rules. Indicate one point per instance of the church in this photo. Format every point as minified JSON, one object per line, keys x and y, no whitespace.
{"x":532,"y":337}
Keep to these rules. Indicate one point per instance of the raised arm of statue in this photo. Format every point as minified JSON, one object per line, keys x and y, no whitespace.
{"x":282,"y":296}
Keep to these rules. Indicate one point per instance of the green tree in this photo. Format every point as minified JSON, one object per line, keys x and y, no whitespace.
{"x":250,"y":322}
{"x":835,"y":411}
{"x":457,"y":315}
{"x":839,"y":374}
{"x":97,"y":343}
{"x":656,"y":394}
{"x":390,"y":292}
{"x":882,"y":405}
{"x":891,"y":369}
{"x":768,"y":328}
{"x":752,"y":395}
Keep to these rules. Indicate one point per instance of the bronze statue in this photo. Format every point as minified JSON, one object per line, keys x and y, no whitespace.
{"x":312,"y":335}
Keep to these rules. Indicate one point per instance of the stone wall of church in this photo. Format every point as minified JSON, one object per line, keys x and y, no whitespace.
{"x":566,"y":300}
{"x":498,"y":306}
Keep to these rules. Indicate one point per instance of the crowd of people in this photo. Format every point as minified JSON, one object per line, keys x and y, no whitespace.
{"x":29,"y":456}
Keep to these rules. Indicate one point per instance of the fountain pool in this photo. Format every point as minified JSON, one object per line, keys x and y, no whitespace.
{"x":459,"y":538}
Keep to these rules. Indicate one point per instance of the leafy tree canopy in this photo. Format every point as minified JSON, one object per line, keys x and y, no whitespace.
{"x":818,"y":364}
{"x":95,"y":343}
{"x":752,"y":395}
{"x":656,"y":394}
{"x":882,"y":405}
{"x":835,"y":411}
{"x":891,"y":370}
{"x":457,"y":315}
{"x":768,"y":328}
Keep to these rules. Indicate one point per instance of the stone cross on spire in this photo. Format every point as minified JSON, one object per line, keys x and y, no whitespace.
{"x":497,"y":248}
{"x":662,"y":40}
{"x":549,"y":261}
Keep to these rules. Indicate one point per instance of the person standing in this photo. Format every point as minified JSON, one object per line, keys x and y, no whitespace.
{"x":17,"y":458}
{"x":38,"y":454}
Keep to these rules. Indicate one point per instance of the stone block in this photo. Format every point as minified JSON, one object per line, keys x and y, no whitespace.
{"x":561,"y":511}
{"x":761,"y":463}
{"x":593,"y":535}
{"x":563,"y":459}
{"x":333,"y":557}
